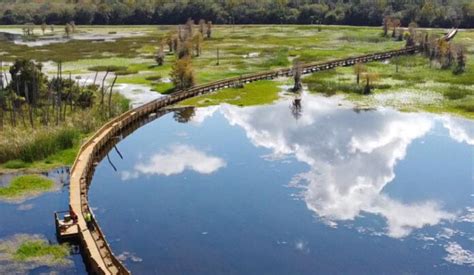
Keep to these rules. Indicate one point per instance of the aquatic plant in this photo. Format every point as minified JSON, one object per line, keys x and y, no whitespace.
{"x":40,"y":248}
{"x":26,"y":185}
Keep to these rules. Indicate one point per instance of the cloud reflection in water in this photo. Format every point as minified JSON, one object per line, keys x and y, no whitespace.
{"x":176,"y":160}
{"x":351,"y":157}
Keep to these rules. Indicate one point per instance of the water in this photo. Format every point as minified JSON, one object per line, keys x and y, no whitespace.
{"x":292,"y":189}
{"x":35,"y":216}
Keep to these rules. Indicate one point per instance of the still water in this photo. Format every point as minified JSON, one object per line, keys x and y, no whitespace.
{"x":33,"y":217}
{"x":289,"y":188}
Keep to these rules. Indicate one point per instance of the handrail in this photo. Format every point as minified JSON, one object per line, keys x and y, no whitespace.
{"x":116,"y":124}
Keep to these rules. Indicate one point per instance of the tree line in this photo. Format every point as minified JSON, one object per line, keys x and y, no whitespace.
{"x":428,"y":13}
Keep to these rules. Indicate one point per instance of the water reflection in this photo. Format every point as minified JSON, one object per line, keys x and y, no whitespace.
{"x":397,"y":184}
{"x":175,"y":160}
{"x":351,"y":158}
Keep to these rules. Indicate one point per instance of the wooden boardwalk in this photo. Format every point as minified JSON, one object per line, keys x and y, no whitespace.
{"x":99,"y":257}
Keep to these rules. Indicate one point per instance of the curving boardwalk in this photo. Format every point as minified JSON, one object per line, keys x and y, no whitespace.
{"x":99,"y":257}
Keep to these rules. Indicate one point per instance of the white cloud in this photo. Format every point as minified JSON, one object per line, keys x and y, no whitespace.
{"x":458,"y":255}
{"x":201,"y":114}
{"x":461,"y":130}
{"x":351,"y":157}
{"x":176,"y":160}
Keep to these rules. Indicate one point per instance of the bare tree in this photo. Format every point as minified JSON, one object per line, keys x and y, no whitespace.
{"x":202,"y":25}
{"x":197,"y":41}
{"x":297,"y":72}
{"x":359,"y":68}
{"x":387,"y":23}
{"x":43,"y":27}
{"x":160,"y":55}
{"x":110,"y":96}
{"x":209,"y":29}
{"x":395,"y":23}
{"x":370,"y":78}
{"x":68,"y":30}
{"x":460,"y":59}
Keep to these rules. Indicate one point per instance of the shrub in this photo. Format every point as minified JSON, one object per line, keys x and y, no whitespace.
{"x":15,"y":164}
{"x":455,"y":93}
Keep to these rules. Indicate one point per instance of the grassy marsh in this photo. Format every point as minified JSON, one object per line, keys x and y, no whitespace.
{"x":22,"y":253}
{"x":34,"y":249}
{"x":26,"y":185}
{"x":257,"y":93}
{"x":243,"y":50}
{"x":249,"y":49}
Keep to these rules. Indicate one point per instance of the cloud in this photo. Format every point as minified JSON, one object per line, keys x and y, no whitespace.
{"x":352,"y":157}
{"x":176,"y":160}
{"x":201,"y":114}
{"x":458,"y":255}
{"x":461,"y":130}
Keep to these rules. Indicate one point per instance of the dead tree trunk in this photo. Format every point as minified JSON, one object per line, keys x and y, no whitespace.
{"x":110,"y":96}
{"x":102,"y":91}
{"x":30,"y":111}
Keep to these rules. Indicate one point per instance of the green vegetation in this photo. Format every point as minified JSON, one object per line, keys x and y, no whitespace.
{"x":39,"y":145}
{"x":60,"y":158}
{"x":407,"y":83}
{"x":42,"y":120}
{"x":22,"y":253}
{"x":102,"y":12}
{"x":257,"y":93}
{"x":26,"y":185}
{"x":39,"y":248}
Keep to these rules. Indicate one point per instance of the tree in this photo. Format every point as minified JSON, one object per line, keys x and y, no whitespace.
{"x":370,"y":78}
{"x":184,"y":49}
{"x":43,"y":27}
{"x":359,"y":69}
{"x":395,"y":23}
{"x":182,"y":73}
{"x":397,"y":61}
{"x":189,"y":28}
{"x":169,"y":40}
{"x":73,"y":26}
{"x":209,"y":30}
{"x":184,"y":115}
{"x":296,"y":108}
{"x":387,"y":22}
{"x":444,"y":53}
{"x":297,"y":72}
{"x":411,"y":35}
{"x":197,"y":41}
{"x":202,"y":25}
{"x":160,"y":55}
{"x":27,"y":80}
{"x":29,"y":29}
{"x":460,"y":60}
{"x":68,"y":30}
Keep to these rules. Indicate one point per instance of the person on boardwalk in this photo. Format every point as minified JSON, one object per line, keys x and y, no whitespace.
{"x":88,"y":218}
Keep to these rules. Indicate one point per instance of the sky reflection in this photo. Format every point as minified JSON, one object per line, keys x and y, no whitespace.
{"x":175,"y":160}
{"x":299,"y":190}
{"x":351,"y":158}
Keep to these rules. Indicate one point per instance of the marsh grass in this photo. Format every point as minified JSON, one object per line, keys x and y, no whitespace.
{"x":26,"y":185}
{"x":34,"y":249}
{"x":37,"y":144}
{"x":257,"y":93}
{"x":455,"y":93}
{"x":276,"y":46}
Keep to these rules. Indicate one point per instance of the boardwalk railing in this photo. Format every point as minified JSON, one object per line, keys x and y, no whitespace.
{"x":100,"y":257}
